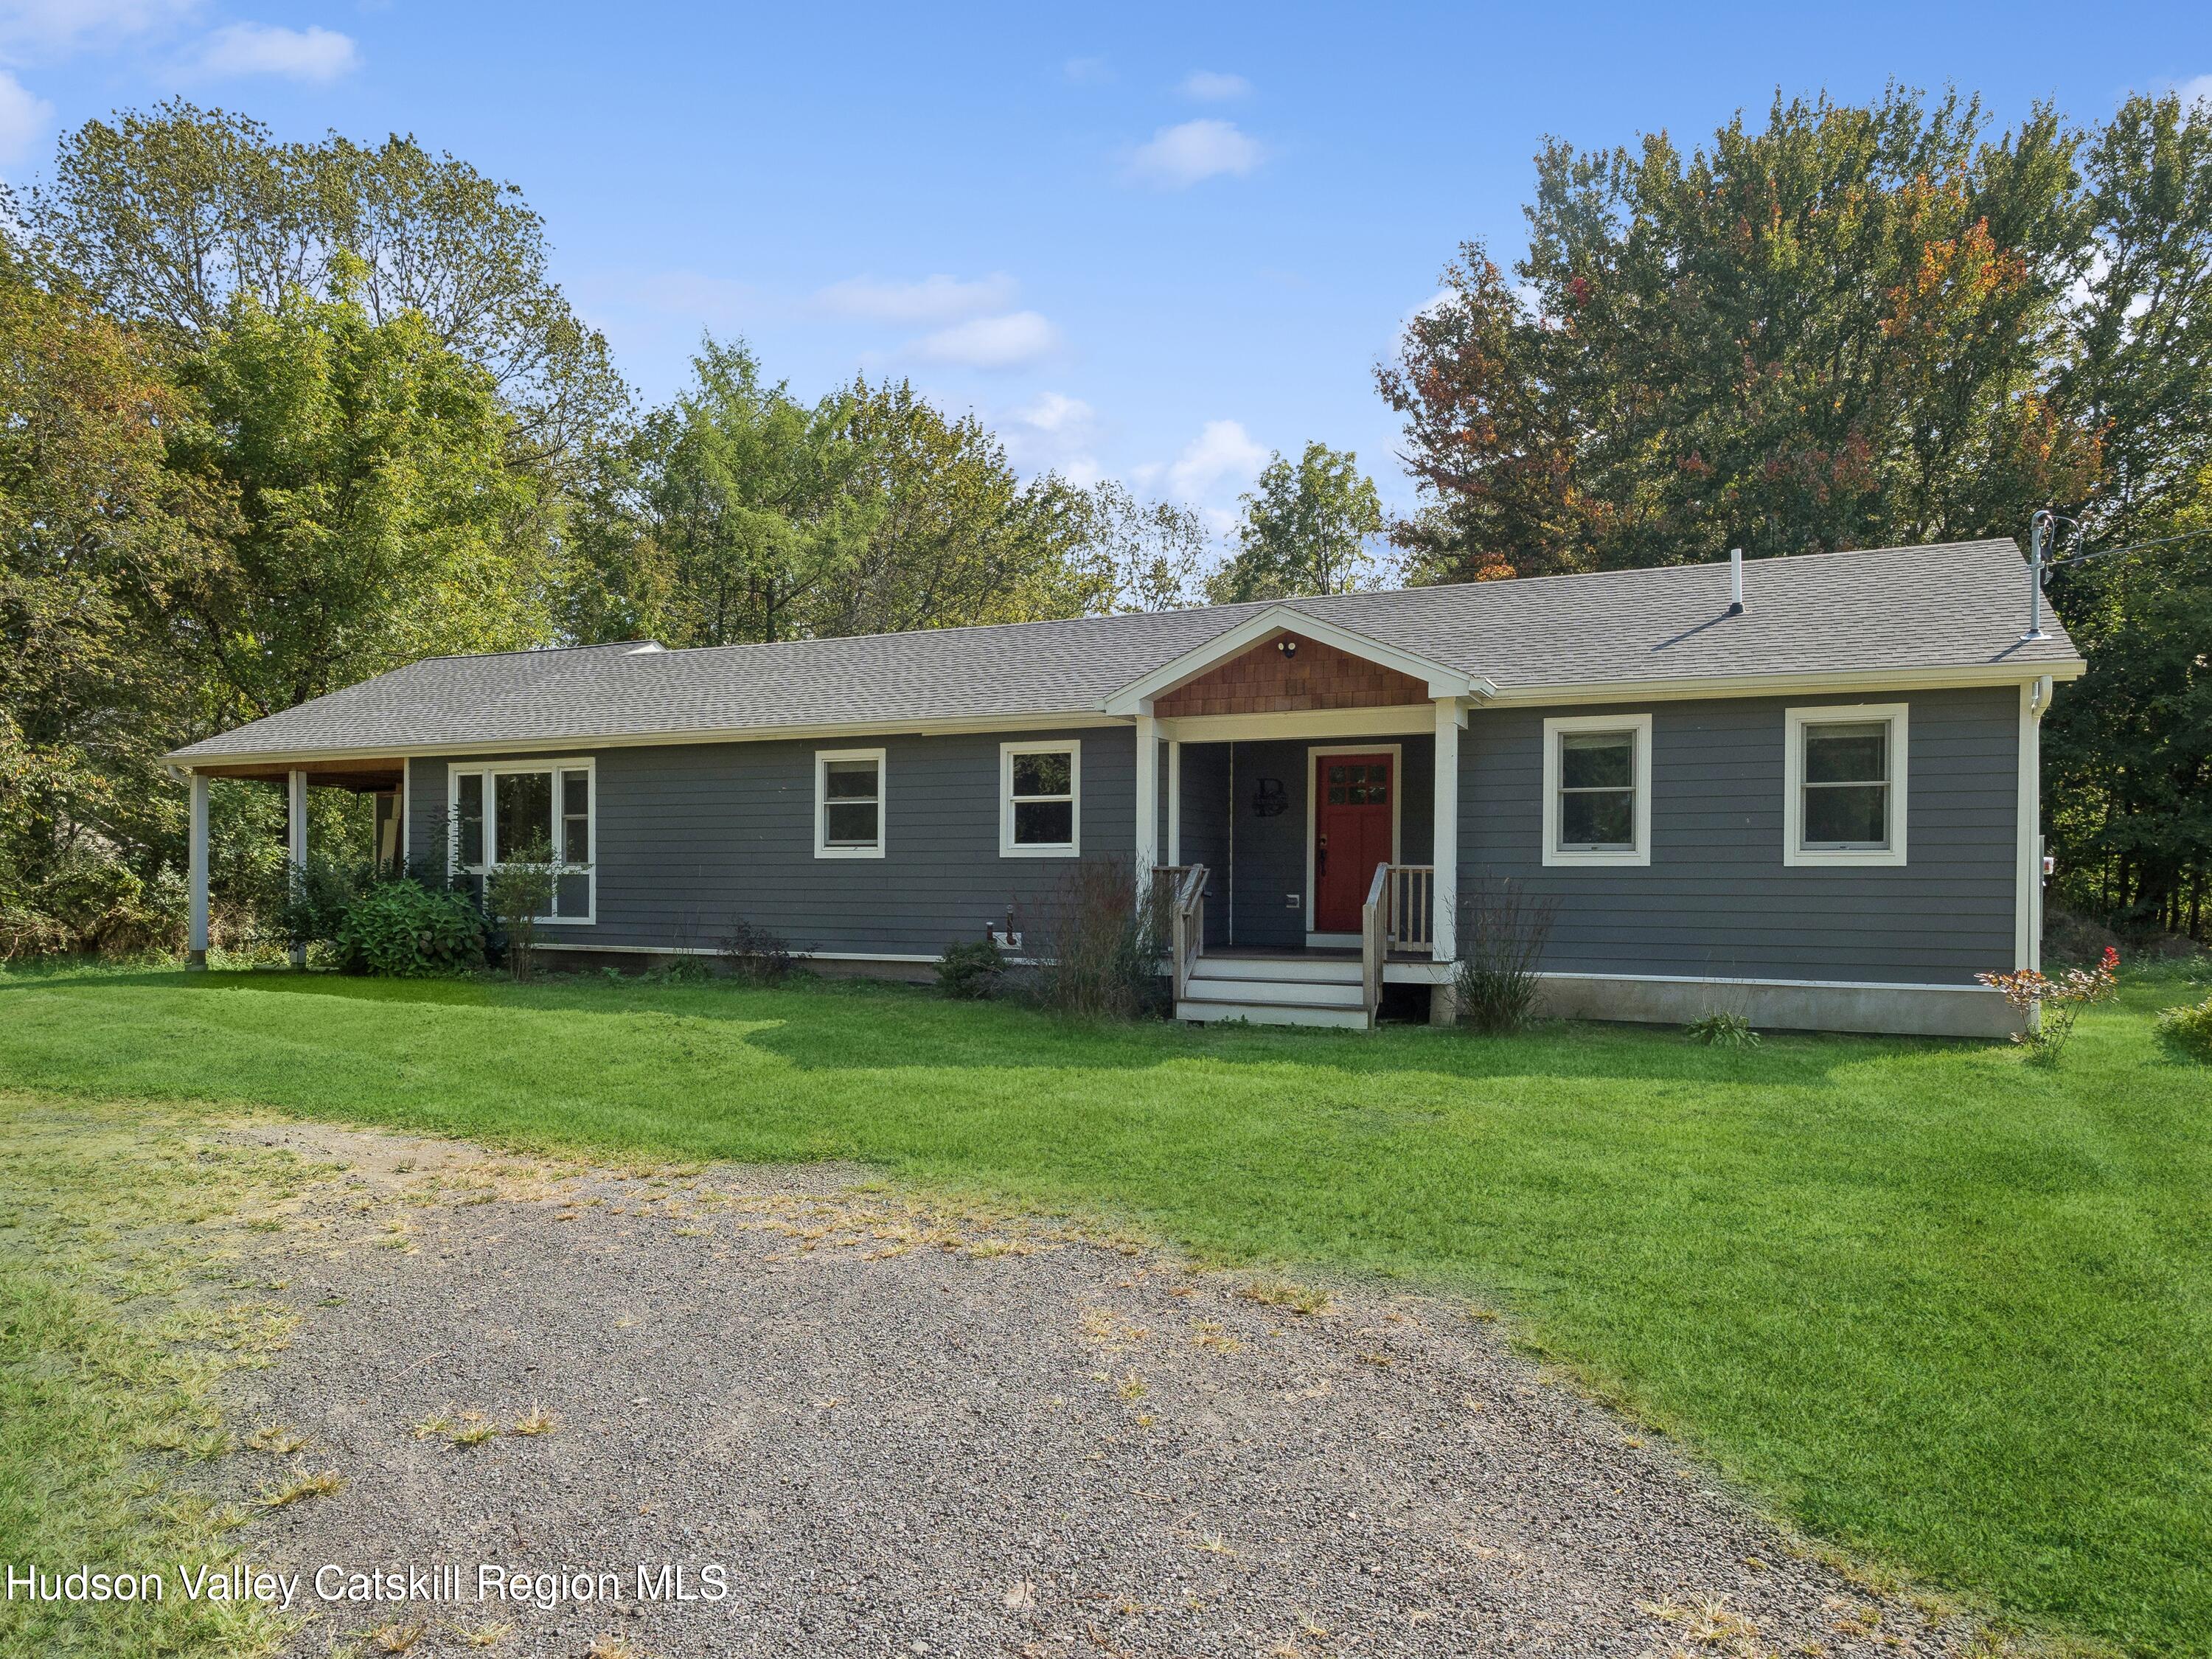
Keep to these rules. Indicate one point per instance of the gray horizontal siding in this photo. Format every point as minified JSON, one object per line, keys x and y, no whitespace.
{"x":1716,"y":898}
{"x":692,"y":837}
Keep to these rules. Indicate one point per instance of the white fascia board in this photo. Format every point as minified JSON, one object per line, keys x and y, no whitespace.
{"x":1787,"y":684}
{"x":533,"y":747}
{"x":1133,"y":698}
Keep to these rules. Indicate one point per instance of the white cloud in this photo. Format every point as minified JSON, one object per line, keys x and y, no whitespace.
{"x":62,"y":25}
{"x":1088,"y":72}
{"x":1223,"y":452}
{"x":2198,"y":91}
{"x":1209,"y":86}
{"x":23,"y":119}
{"x":309,"y":54}
{"x":1007,"y":341}
{"x":1182,"y":155}
{"x":1053,"y":433}
{"x":932,"y":300}
{"x":1057,"y":412}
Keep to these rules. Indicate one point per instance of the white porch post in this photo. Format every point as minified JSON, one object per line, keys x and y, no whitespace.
{"x":295,"y":794}
{"x":196,"y":839}
{"x":1445,"y":853}
{"x":1148,"y":796}
{"x":1174,"y":802}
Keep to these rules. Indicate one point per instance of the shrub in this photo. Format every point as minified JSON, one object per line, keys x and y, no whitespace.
{"x":677,"y":970}
{"x":757,"y":955}
{"x":517,"y":893}
{"x":2189,"y":1030}
{"x":1102,"y":935}
{"x":1722,"y":1029}
{"x":403,"y":929}
{"x":2053,"y":1004}
{"x":1502,"y":933}
{"x":311,"y":900}
{"x":970,"y":970}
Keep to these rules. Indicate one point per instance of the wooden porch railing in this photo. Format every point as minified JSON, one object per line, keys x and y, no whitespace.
{"x":1412,"y":922}
{"x":1186,"y":922}
{"x":1374,"y":940}
{"x":1398,"y":916}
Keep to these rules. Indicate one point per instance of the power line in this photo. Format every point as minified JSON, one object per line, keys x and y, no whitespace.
{"x":2132,"y":547}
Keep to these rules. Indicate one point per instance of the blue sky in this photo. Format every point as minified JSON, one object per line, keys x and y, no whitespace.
{"x":1151,"y":242}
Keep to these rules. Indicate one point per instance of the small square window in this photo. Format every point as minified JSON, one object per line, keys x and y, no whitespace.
{"x":849,"y":804}
{"x":1597,"y":789}
{"x":1040,"y":799}
{"x":1844,"y":799}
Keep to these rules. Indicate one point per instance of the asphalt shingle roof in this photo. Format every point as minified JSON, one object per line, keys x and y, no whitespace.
{"x":1958,"y":604}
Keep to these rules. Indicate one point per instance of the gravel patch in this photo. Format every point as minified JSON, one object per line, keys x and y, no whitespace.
{"x":875,"y":1428}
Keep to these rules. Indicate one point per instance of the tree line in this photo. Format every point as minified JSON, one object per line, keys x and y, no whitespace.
{"x":1859,"y":327}
{"x":283,"y":416}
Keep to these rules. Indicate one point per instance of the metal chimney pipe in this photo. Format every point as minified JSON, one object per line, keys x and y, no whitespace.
{"x":1735,"y":582}
{"x":2035,"y":533}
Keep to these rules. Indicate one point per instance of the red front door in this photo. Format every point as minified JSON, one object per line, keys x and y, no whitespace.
{"x":1352,"y":812}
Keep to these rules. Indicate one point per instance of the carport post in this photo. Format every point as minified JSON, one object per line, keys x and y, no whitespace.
{"x":297,"y":802}
{"x":197,"y":837}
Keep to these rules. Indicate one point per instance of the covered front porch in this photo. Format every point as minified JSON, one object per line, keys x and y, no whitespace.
{"x":1305,"y":778}
{"x":385,"y":781}
{"x":1300,"y":876}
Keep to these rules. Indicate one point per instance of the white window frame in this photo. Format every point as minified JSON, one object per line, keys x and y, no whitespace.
{"x":823,"y":849}
{"x":1795,"y":721}
{"x":1639,"y":725}
{"x":1072,"y":748}
{"x":488,"y":770}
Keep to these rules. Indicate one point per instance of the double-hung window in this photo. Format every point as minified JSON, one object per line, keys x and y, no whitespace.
{"x":849,"y":804}
{"x":528,"y":812}
{"x":1844,"y":792}
{"x":1040,"y":799}
{"x":1597,"y":789}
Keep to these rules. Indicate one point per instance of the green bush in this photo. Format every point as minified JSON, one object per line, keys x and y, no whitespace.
{"x":970,"y":970}
{"x":404,"y":930}
{"x":2189,"y":1030}
{"x":1722,"y":1029}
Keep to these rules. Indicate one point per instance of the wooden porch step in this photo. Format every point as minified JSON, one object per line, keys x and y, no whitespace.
{"x":1301,"y":992}
{"x":1311,"y":969}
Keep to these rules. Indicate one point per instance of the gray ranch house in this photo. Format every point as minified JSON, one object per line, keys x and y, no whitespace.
{"x":1802,"y":789}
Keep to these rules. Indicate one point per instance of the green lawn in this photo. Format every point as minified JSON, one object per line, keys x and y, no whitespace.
{"x":1942,"y":1307}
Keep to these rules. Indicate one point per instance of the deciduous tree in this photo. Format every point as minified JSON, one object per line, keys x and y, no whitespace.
{"x":1306,"y":528}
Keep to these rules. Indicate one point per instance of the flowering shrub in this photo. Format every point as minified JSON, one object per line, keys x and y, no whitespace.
{"x":2053,"y":1004}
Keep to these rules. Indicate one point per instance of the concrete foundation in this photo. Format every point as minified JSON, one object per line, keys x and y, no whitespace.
{"x":1946,"y":1010}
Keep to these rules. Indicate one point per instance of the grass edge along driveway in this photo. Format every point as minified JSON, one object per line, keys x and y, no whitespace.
{"x":1932,"y":1303}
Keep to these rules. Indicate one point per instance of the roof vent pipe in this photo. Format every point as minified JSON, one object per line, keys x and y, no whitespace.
{"x":1735,"y":582}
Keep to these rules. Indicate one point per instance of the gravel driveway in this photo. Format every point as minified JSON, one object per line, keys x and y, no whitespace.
{"x":881,"y":1430}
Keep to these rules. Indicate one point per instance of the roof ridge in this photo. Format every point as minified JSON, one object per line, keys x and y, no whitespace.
{"x":531,"y":651}
{"x":1235,"y":606}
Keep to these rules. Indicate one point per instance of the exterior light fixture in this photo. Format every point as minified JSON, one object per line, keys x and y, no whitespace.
{"x":1287,"y":646}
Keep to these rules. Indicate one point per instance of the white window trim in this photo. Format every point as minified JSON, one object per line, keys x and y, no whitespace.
{"x":823,"y":849}
{"x":1795,"y":852}
{"x":1554,"y":728}
{"x":489,"y":769}
{"x":1072,"y":747}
